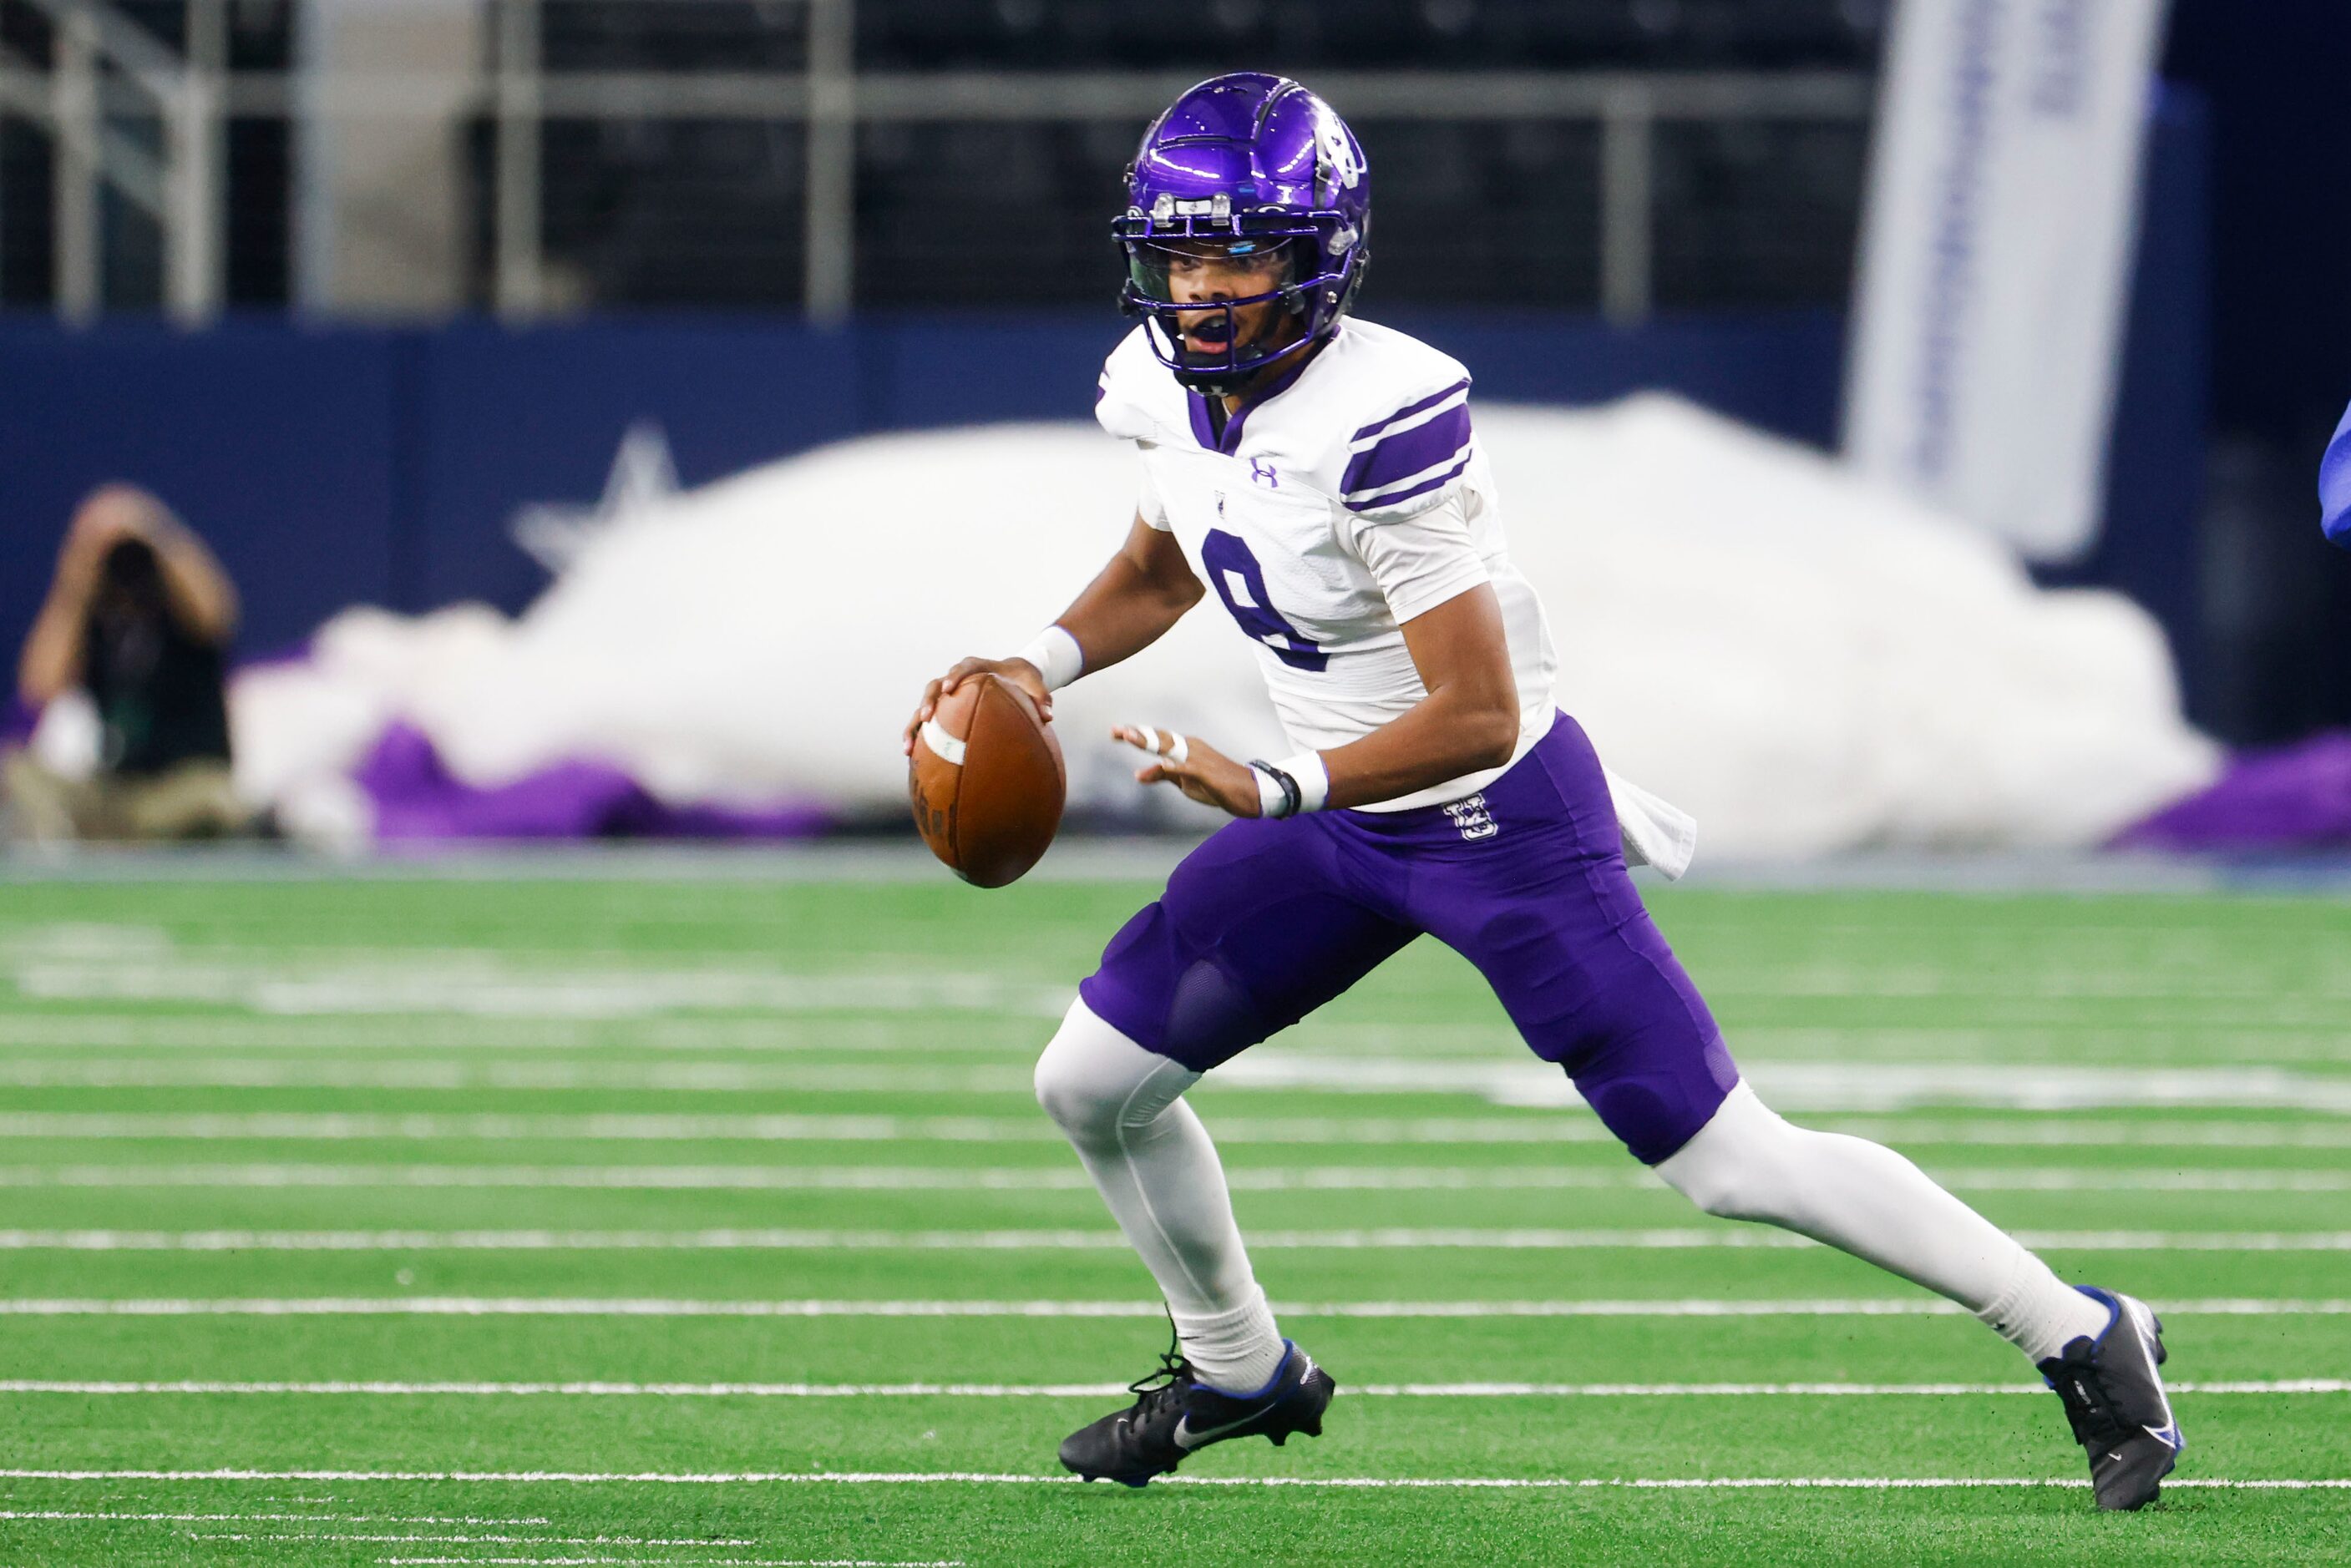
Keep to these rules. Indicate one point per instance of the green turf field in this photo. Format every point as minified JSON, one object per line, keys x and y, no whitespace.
{"x":511,"y":1221}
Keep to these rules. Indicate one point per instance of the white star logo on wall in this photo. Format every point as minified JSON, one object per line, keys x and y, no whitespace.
{"x":644,"y":477}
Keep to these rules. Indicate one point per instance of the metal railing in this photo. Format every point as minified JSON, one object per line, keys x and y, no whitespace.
{"x":194,"y":95}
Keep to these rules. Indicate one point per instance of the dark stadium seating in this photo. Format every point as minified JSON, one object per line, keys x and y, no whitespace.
{"x":1303,"y":35}
{"x":671,"y":35}
{"x":973,"y":214}
{"x":709,"y":213}
{"x":675,"y":212}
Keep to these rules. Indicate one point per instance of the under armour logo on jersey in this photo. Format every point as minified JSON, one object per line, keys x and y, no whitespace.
{"x":1471,"y":818}
{"x":1264,"y":474}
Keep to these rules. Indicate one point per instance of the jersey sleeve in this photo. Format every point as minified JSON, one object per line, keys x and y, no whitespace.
{"x":1412,"y":459}
{"x":2335,"y":485}
{"x":1119,"y":410}
{"x":1422,"y":560}
{"x":1118,"y":393}
{"x":1148,"y":506}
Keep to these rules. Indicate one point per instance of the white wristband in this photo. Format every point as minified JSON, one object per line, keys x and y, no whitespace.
{"x":1313,"y":779}
{"x":1056,"y":655}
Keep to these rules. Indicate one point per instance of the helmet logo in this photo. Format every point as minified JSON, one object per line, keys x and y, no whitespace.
{"x":1339,"y":160}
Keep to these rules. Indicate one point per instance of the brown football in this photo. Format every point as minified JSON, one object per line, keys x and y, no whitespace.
{"x":987,"y":781}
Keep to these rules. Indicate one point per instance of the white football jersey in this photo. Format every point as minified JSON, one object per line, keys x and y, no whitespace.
{"x":1344,"y":503}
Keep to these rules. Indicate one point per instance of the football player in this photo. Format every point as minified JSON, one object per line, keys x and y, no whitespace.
{"x":1319,"y":475}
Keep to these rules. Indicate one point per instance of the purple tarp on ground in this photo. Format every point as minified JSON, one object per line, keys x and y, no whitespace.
{"x":416,"y":799}
{"x":2297,"y":797}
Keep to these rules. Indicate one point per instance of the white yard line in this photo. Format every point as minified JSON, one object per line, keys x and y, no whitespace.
{"x":413,"y":1539}
{"x":672,"y":1078}
{"x":51,"y":1513}
{"x":92,"y":963}
{"x":1056,"y":1178}
{"x":1476,"y":1390}
{"x":1400,"y":1239}
{"x":560,"y":1306}
{"x":675,"y":1562}
{"x":1819,"y":1087}
{"x":1512,"y":1080}
{"x":679,"y":1177}
{"x":2276,"y":1045}
{"x":2058,"y":1178}
{"x":1574,"y":1128}
{"x":406,"y":1127}
{"x":665,"y":1562}
{"x":983,"y":1478}
{"x":75,"y":1032}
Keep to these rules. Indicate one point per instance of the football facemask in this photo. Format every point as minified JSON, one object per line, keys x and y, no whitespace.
{"x":1224,"y":307}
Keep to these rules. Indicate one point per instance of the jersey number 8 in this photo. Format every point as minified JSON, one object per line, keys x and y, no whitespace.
{"x":1241,"y":583}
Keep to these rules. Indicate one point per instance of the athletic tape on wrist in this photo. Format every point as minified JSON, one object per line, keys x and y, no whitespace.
{"x":1277,"y":793}
{"x":1056,"y":655}
{"x":1312,"y":778}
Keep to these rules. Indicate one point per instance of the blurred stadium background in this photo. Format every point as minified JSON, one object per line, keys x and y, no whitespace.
{"x":373,"y":293}
{"x":609,"y":410}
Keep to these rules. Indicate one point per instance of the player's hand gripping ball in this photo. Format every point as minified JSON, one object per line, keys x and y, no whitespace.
{"x":985,"y":771}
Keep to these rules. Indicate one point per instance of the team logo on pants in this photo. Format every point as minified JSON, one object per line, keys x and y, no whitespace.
{"x":1471,"y":818}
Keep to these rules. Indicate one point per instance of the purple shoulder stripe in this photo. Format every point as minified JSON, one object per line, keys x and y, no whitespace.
{"x":1409,"y":409}
{"x":1397,"y":458}
{"x":1434,"y":481}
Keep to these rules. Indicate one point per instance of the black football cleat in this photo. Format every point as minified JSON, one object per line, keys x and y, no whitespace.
{"x":1175,"y":1415}
{"x":2115,"y":1403}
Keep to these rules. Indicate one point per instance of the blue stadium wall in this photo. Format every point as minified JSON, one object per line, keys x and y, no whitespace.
{"x":339,"y":465}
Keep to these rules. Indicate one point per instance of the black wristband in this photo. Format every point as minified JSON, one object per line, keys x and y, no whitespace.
{"x":1292,"y":797}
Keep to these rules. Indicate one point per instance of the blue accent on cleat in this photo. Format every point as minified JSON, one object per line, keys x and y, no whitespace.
{"x":1175,"y":1415}
{"x":2115,"y":1403}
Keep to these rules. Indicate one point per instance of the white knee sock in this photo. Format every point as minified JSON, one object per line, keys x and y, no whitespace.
{"x":1865,"y":1200}
{"x":1148,"y":1154}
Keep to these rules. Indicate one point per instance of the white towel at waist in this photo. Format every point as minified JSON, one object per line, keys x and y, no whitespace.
{"x":1656,"y":832}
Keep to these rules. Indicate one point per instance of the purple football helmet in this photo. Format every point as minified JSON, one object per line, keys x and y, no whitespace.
{"x":1247,"y":165}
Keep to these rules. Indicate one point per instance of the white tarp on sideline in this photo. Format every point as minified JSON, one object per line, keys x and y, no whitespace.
{"x":1803,"y":659}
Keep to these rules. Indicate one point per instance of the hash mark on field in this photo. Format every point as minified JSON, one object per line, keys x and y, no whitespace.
{"x":1093,"y":1390}
{"x":938,"y":1477}
{"x":561,"y":1306}
{"x":1538,"y":1239}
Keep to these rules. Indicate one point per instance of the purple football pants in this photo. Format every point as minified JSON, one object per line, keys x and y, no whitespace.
{"x":1268,"y":920}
